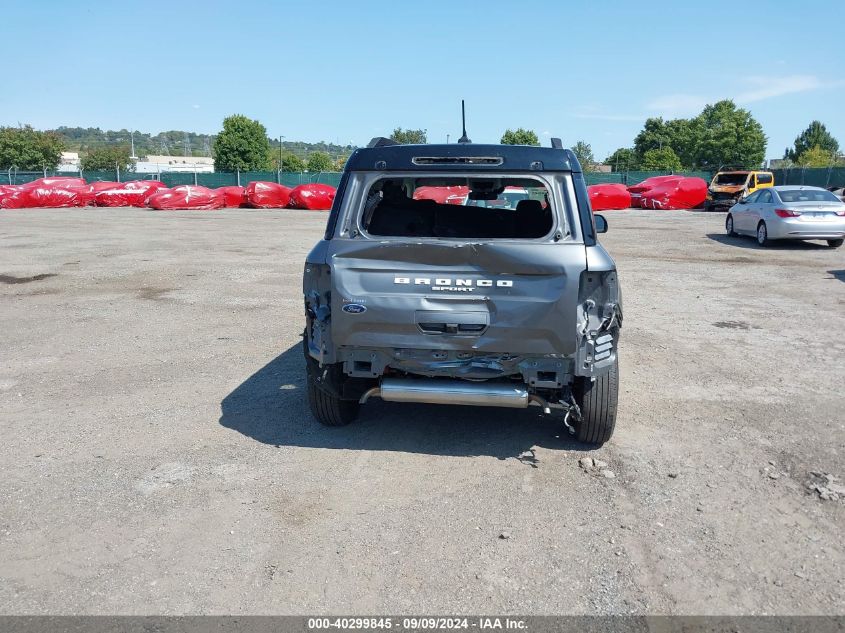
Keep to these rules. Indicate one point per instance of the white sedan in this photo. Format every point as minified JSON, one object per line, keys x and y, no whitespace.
{"x":789,"y":212}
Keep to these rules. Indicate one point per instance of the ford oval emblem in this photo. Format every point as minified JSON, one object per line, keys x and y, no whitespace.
{"x":354,"y":308}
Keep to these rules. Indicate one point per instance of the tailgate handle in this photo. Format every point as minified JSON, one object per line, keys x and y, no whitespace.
{"x":452,"y":328}
{"x":446,"y":322}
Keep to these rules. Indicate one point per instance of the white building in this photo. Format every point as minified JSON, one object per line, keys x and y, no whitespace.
{"x":187,"y":164}
{"x":69,"y":162}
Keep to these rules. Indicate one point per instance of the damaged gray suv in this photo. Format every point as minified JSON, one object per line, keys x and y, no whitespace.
{"x":464,"y":274}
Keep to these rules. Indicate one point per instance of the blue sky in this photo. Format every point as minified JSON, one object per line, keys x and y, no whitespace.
{"x":347,"y":71}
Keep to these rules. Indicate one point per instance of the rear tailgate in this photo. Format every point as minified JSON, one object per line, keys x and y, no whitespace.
{"x":513,"y":297}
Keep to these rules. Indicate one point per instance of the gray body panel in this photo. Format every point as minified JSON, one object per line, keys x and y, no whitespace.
{"x":534,"y":315}
{"x":543,"y":310}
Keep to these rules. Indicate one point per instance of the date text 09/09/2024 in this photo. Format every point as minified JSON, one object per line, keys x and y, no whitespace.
{"x":417,"y":624}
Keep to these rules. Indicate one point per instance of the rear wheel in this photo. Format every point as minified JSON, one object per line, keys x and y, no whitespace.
{"x":835,"y":243}
{"x":762,"y":234}
{"x":328,"y":408}
{"x":729,"y":225}
{"x":324,"y":385}
{"x":598,"y":399}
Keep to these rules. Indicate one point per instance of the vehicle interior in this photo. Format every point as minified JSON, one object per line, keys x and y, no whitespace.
{"x":460,"y":208}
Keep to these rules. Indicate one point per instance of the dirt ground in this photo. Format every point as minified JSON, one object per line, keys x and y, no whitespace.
{"x":157,"y":454}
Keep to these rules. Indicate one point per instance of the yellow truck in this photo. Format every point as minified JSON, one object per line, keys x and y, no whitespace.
{"x":728,"y":186}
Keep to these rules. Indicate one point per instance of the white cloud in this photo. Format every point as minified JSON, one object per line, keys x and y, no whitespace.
{"x":758,"y":89}
{"x":769,"y":87}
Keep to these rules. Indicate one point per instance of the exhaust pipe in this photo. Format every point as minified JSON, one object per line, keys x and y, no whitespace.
{"x":443,"y":391}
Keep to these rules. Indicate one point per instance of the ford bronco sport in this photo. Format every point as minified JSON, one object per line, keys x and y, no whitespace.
{"x":504,"y":300}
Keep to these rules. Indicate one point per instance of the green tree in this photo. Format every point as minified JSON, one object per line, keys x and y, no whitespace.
{"x":340,"y":163}
{"x":242,"y":145}
{"x":654,"y":135}
{"x":684,"y":139}
{"x":292,"y":162}
{"x":519,"y":136}
{"x":409,"y":137}
{"x":664,"y":159}
{"x":28,"y":149}
{"x":584,"y":153}
{"x":681,"y":135}
{"x":815,"y":136}
{"x":107,"y":158}
{"x":320,"y":161}
{"x":623,"y":159}
{"x":729,"y":136}
{"x":816,"y":157}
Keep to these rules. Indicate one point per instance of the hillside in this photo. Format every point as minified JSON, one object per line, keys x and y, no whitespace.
{"x":175,"y":142}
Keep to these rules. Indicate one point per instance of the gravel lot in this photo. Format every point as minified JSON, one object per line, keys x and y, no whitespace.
{"x":157,"y":455}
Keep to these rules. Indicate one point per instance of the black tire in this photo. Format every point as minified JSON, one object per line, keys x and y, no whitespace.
{"x":835,"y":243}
{"x":328,"y":408}
{"x":729,"y":225}
{"x":762,"y":236}
{"x":598,"y":401}
{"x":323,"y":386}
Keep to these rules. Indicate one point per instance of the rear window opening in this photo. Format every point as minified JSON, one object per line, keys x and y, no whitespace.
{"x":460,"y":208}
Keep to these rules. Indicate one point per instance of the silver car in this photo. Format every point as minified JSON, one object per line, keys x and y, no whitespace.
{"x":789,"y":212}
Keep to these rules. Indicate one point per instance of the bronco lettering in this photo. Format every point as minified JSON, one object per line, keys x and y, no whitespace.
{"x":443,"y":284}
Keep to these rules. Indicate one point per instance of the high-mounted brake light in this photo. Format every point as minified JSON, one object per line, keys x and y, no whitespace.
{"x":787,"y":213}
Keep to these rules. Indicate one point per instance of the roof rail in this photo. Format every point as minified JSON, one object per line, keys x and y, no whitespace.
{"x":380,"y":141}
{"x":557,"y":143}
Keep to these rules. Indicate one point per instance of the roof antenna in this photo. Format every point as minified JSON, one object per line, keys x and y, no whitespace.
{"x":464,"y":138}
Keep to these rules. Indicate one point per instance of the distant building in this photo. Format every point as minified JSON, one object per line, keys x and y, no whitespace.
{"x":187,"y":164}
{"x":69,"y":162}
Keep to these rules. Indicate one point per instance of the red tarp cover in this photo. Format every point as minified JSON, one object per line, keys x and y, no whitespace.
{"x":648,"y":183}
{"x":102,"y":185}
{"x":32,"y":197}
{"x":609,"y":196}
{"x":686,"y":193}
{"x":150,"y":186}
{"x":7,"y":190}
{"x":234,"y":196}
{"x":442,"y":195}
{"x":638,"y":189}
{"x":267,"y":195}
{"x":314,"y":196}
{"x":122,"y":198}
{"x":186,"y":197}
{"x":55,"y":182}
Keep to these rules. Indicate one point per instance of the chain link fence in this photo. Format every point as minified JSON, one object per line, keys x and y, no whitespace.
{"x":826,"y":177}
{"x":819,"y":177}
{"x":172,"y":179}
